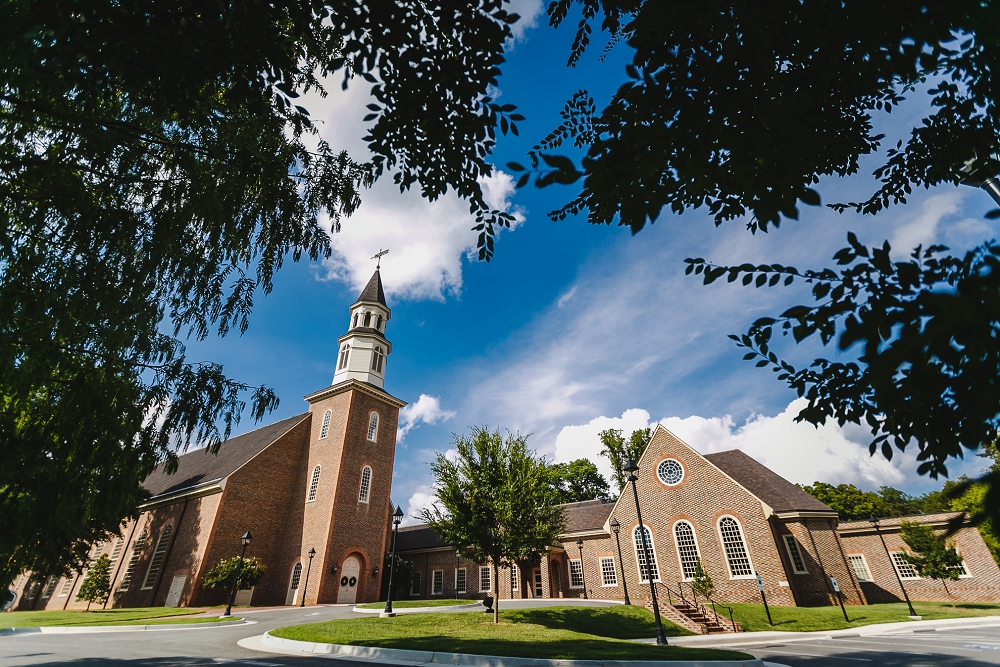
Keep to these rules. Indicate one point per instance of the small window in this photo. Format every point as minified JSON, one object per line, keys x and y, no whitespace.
{"x":640,"y":555}
{"x":137,"y":547}
{"x":670,"y":472}
{"x":117,"y":551}
{"x":795,"y":554}
{"x":50,"y":586}
{"x":345,"y":353}
{"x":575,"y":573}
{"x":687,"y":549}
{"x":415,"y":584}
{"x":67,"y":585}
{"x":368,"y":319}
{"x":378,"y":322}
{"x":515,"y":579}
{"x":437,"y":582}
{"x":860,"y":567}
{"x":355,"y":320}
{"x":378,"y":357}
{"x":904,"y":568}
{"x":963,"y":570}
{"x":485,"y":580}
{"x":366,"y":484}
{"x":154,"y":565}
{"x":373,"y":427}
{"x":460,"y":580}
{"x":735,"y":549}
{"x":296,"y":577}
{"x":608,"y":575}
{"x":313,"y":484}
{"x":325,"y":429}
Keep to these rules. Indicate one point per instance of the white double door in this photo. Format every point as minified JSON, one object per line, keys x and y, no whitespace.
{"x":349,"y":579}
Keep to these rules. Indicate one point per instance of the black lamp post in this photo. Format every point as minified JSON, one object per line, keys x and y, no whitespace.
{"x":583,"y":575}
{"x":631,"y":468}
{"x":239,"y":569}
{"x":305,"y":589}
{"x":615,"y":527}
{"x":873,"y":520}
{"x":397,"y":516}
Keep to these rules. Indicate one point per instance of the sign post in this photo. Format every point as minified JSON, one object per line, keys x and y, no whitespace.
{"x":840,"y":598}
{"x":760,"y":585}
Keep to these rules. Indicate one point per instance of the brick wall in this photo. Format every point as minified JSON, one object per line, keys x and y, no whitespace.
{"x":822,"y":556}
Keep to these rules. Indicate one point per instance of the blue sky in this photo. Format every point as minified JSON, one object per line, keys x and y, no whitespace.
{"x":574,"y":328}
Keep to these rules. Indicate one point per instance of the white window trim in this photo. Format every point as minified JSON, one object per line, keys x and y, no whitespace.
{"x":311,"y":495}
{"x":656,"y":471}
{"x":515,"y":578}
{"x":372,"y":435}
{"x":965,"y":569}
{"x":489,"y":579}
{"x":791,"y":558}
{"x":345,"y":357}
{"x":569,"y":571}
{"x":433,"y":573}
{"x":896,"y":567}
{"x":324,"y":430}
{"x":614,"y":568}
{"x":677,"y":546}
{"x":746,"y":547}
{"x":415,"y":577}
{"x":361,"y":490}
{"x":147,"y":585}
{"x":652,"y":550}
{"x":871,"y":577}
{"x":465,"y":584}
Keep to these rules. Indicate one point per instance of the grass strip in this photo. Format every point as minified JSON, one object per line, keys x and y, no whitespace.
{"x":141,"y":616}
{"x":809,"y":619}
{"x":561,"y":633}
{"x":410,"y":604}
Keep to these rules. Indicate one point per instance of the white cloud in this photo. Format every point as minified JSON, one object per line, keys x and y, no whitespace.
{"x":419,"y":500}
{"x":581,"y":442}
{"x":923,"y":229}
{"x":426,"y":410}
{"x":529,"y":10}
{"x":566,"y":296}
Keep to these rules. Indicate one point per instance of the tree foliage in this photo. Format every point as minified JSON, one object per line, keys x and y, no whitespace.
{"x":223,"y":574}
{"x":620,"y":451}
{"x":157,"y":167}
{"x":494,"y":503}
{"x":702,"y":583}
{"x":401,"y":575}
{"x":853,"y":504}
{"x":578,"y":480}
{"x":96,"y":586}
{"x":931,"y":553}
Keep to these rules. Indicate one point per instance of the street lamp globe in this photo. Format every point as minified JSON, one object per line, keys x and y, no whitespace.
{"x":246,"y":539}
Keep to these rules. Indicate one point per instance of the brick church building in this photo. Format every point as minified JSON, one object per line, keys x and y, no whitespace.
{"x":314,"y":492}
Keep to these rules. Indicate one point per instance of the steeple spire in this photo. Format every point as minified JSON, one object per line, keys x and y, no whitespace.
{"x":363,"y":350}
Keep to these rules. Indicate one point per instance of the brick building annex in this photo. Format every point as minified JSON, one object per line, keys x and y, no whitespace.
{"x":321,"y":481}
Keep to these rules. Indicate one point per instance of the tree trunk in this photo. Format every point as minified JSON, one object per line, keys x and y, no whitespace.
{"x":950,"y":598}
{"x":88,"y":605}
{"x":496,"y":593}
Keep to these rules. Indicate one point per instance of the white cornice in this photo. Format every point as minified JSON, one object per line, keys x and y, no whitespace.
{"x":357,"y":385}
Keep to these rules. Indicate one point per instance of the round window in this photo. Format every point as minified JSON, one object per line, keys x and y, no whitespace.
{"x":670,"y":472}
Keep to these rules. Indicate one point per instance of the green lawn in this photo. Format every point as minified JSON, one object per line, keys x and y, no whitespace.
{"x":805,"y":619}
{"x":410,"y":604}
{"x":143,"y":616}
{"x":564,"y":633}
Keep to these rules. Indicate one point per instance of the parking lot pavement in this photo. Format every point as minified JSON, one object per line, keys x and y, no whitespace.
{"x":970,"y":647}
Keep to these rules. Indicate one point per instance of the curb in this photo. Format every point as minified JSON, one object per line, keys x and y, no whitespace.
{"x":401,"y":656}
{"x":873,"y":630}
{"x":423,"y":610}
{"x":88,"y":629}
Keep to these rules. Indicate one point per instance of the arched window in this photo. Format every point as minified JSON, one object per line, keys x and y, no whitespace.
{"x":378,"y":356}
{"x":640,"y":555}
{"x":355,"y":321}
{"x":368,"y":319}
{"x":687,"y":548}
{"x":345,"y":352}
{"x":378,"y":322}
{"x":325,"y":429}
{"x":296,"y":577}
{"x":161,"y":549}
{"x":735,"y":548}
{"x":366,"y":485}
{"x":313,"y":484}
{"x":373,"y":427}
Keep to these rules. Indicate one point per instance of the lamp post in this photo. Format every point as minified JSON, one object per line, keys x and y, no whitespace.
{"x":305,"y":589}
{"x":615,"y":527}
{"x":397,"y":516}
{"x":583,"y":575}
{"x":631,"y":468}
{"x":245,"y":539}
{"x":458,"y":561}
{"x":873,"y":520}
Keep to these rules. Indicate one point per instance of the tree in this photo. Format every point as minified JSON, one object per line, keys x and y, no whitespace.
{"x":223,"y":573}
{"x":402,"y":574}
{"x":158,"y":166}
{"x":494,"y":503}
{"x":578,"y":480}
{"x":702,"y":583}
{"x":931,"y":554}
{"x":96,"y":586}
{"x":850,"y":502}
{"x":969,"y":497}
{"x":621,"y":451}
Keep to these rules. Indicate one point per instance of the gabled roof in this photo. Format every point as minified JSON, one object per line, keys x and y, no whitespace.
{"x":415,"y":538}
{"x":373,"y":290}
{"x":586,"y":515}
{"x":770,"y":487}
{"x":201,"y":467}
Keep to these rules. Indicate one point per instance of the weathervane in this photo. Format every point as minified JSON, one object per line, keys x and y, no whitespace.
{"x":378,"y":256}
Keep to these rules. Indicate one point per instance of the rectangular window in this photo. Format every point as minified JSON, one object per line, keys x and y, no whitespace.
{"x":515,"y":579}
{"x":67,"y":585}
{"x":415,"y":584}
{"x":860,"y":567}
{"x":137,"y":547}
{"x":117,"y":551}
{"x":460,"y":580}
{"x":795,"y":554}
{"x":161,"y":549}
{"x":485,"y":580}
{"x":903,"y":567}
{"x":50,"y":586}
{"x":437,"y":582}
{"x":608,"y":575}
{"x":963,"y":570}
{"x":575,"y":573}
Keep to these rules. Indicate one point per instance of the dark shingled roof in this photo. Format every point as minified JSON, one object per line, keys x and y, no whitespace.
{"x":201,"y":467}
{"x":773,"y":489}
{"x":412,"y":538}
{"x":373,"y":290}
{"x":586,"y":515}
{"x":894,"y":522}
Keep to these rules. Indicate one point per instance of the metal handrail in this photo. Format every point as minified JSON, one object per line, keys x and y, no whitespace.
{"x":704,"y":609}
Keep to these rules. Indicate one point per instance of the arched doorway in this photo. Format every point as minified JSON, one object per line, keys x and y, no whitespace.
{"x":349,"y":575}
{"x":293,"y":586}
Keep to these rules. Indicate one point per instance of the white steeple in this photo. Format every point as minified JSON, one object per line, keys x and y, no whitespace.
{"x":363,"y":350}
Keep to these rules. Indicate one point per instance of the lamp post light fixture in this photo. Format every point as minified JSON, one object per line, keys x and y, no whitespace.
{"x":631,"y":468}
{"x":305,"y":589}
{"x":397,"y":516}
{"x":245,"y":539}
{"x":615,"y":527}
{"x":873,"y":520}
{"x":583,"y":575}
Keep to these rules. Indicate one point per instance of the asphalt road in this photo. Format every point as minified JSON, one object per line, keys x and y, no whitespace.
{"x":972,"y":647}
